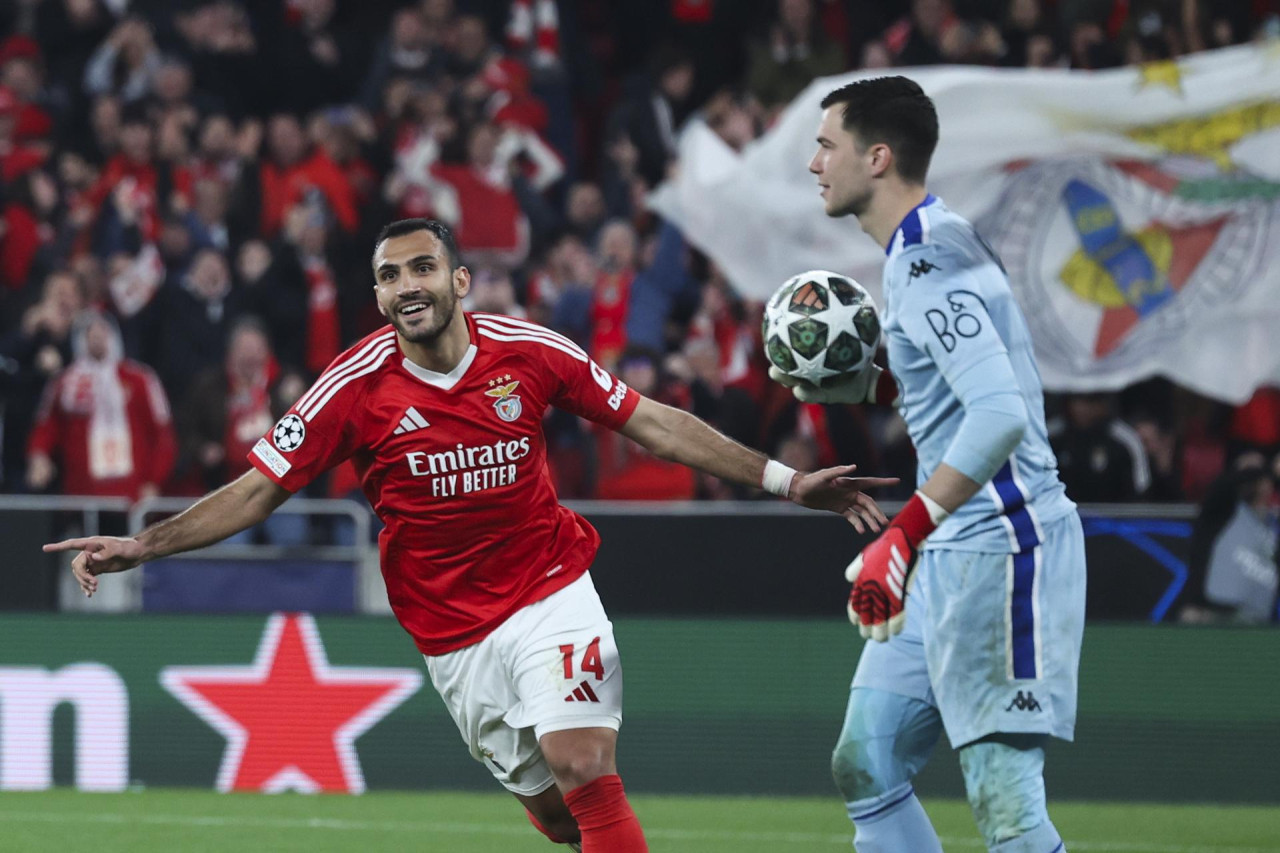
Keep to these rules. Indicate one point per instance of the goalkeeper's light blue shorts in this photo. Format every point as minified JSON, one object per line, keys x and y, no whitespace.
{"x":991,"y":640}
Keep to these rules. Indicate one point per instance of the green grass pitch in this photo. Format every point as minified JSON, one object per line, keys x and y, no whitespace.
{"x":188,"y":821}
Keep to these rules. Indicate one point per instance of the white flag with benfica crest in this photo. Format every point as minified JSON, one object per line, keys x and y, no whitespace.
{"x":1137,"y":210}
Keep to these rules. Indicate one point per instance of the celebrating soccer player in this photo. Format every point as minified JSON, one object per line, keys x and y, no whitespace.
{"x":975,"y":593}
{"x":441,"y":414}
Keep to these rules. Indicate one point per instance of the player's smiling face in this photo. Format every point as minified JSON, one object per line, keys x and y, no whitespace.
{"x":415,"y":288}
{"x":842,"y":165}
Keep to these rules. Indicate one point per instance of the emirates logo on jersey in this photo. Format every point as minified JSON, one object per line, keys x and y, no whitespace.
{"x":507,"y":404}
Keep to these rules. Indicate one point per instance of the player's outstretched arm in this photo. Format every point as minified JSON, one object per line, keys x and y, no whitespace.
{"x":236,"y":506}
{"x":680,"y":437}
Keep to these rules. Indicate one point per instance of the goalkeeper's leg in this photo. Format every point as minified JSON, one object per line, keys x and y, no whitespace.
{"x":886,"y":740}
{"x":1004,"y":778}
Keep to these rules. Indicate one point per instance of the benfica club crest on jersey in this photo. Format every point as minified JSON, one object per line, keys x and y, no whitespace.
{"x":507,"y":404}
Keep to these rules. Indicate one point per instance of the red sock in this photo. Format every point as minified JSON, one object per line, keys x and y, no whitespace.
{"x":605,"y":818}
{"x":537,"y":824}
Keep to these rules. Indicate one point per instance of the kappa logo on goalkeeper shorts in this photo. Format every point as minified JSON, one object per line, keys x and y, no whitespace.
{"x":1024,"y":702}
{"x":582,"y":693}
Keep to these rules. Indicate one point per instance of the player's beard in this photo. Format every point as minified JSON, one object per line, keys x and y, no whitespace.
{"x":442,"y":309}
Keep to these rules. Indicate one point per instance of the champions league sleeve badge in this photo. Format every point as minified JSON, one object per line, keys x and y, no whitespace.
{"x":289,"y":433}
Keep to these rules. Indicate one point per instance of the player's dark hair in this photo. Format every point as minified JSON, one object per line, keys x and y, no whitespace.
{"x":443,"y":233}
{"x":894,"y":111}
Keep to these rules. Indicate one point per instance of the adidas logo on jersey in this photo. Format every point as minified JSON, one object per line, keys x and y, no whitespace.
{"x":411,"y":421}
{"x":582,"y":693}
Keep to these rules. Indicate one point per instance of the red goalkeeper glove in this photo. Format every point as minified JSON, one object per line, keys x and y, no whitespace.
{"x":881,"y":575}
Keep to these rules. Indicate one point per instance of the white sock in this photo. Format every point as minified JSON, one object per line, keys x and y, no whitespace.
{"x":893,"y":822}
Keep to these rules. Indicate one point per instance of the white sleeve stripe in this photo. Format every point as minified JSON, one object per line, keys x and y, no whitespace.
{"x":508,"y":324}
{"x":520,"y":328}
{"x":316,"y":405}
{"x":497,"y":336}
{"x":332,"y":374}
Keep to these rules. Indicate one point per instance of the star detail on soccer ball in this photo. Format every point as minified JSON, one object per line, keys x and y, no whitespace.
{"x":289,"y":433}
{"x":290,"y":718}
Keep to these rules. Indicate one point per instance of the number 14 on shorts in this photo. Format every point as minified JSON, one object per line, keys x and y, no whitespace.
{"x":590,"y":660}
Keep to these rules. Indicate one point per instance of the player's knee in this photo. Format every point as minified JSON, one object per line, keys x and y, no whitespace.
{"x":575,"y":768}
{"x":885,"y":741}
{"x":1004,"y":781}
{"x":854,"y":770}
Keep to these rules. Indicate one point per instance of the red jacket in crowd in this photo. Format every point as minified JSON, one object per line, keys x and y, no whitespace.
{"x":110,"y":432}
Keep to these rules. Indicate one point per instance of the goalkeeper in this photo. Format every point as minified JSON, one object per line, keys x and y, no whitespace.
{"x":974,"y":595}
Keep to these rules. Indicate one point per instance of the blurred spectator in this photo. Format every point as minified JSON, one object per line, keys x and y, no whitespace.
{"x":1232,"y":561}
{"x":290,"y":173}
{"x":795,"y":52}
{"x":409,"y":51}
{"x":1161,"y":445}
{"x":304,"y":254}
{"x":478,"y":200}
{"x":185,"y":326}
{"x":30,"y":355}
{"x":654,"y":112}
{"x":340,"y":132}
{"x":104,"y":422}
{"x":30,"y":237}
{"x":16,"y":158}
{"x":126,"y":63}
{"x":217,"y":38}
{"x":277,"y":296}
{"x":1024,"y":22}
{"x":317,"y":58}
{"x":1090,"y":48}
{"x":206,"y":221}
{"x":656,"y":290}
{"x":730,"y":118}
{"x":135,"y":188}
{"x":69,"y":31}
{"x":106,"y":118}
{"x":1100,"y":457}
{"x":22,"y":74}
{"x":611,"y":294}
{"x":226,"y":409}
{"x":585,"y":210}
{"x":916,"y":39}
{"x":561,"y":291}
{"x":492,"y":292}
{"x":628,"y":471}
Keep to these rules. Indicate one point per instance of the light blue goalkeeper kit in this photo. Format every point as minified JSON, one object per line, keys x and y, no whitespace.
{"x":995,"y":614}
{"x":961,"y":353}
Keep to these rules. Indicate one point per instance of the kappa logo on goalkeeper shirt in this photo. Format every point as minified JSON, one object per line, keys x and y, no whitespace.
{"x":919,"y":268}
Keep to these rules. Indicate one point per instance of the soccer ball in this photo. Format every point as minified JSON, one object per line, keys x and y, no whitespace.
{"x":820,"y":325}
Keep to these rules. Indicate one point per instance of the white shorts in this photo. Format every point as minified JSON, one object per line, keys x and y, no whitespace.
{"x":552,"y":666}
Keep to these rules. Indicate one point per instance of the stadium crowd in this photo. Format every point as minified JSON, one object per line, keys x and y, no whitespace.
{"x":189,"y":192}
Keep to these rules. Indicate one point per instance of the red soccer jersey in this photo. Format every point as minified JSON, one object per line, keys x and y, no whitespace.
{"x":455,"y":465}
